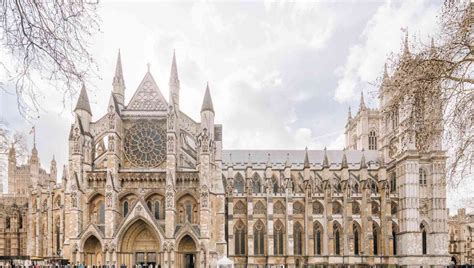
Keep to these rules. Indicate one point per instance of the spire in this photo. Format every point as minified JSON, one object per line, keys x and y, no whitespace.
{"x":118,"y":69}
{"x":344,"y":159}
{"x":83,"y":101}
{"x":306,"y":159}
{"x":174,"y":83}
{"x":249,"y":161}
{"x":118,"y":82}
{"x":363,"y":164}
{"x":12,"y":153}
{"x":362,"y":102}
{"x":349,"y":113}
{"x":207,"y":102}
{"x":325,"y":160}
{"x":174,"y":79}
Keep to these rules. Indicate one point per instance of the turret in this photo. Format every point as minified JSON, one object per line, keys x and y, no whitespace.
{"x":207,"y":113}
{"x":53,"y":171}
{"x":118,"y":82}
{"x":83,"y":109}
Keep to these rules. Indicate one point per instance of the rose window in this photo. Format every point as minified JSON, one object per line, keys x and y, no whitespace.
{"x":145,"y":144}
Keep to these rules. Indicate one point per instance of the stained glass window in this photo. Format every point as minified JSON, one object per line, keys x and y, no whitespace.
{"x":145,"y":144}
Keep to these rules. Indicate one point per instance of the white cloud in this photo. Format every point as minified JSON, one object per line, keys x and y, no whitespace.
{"x":382,"y":36}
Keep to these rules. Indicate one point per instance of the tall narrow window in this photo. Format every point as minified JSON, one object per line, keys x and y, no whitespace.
{"x":422,"y":177}
{"x":125,"y":208}
{"x":239,"y":184}
{"x":275,"y":186}
{"x":258,"y":238}
{"x":393,"y":182}
{"x":278,"y":238}
{"x":356,"y":229}
{"x":375,"y":241}
{"x":317,"y":240}
{"x":338,"y":242}
{"x":189,"y":213}
{"x":424,"y":245}
{"x":298,"y":238}
{"x":239,"y":232}
{"x":394,"y":235}
{"x":101,"y":219}
{"x":7,"y":222}
{"x":372,"y":140}
{"x":58,"y":239}
{"x":157,"y":210}
{"x":256,"y":185}
{"x":20,"y":221}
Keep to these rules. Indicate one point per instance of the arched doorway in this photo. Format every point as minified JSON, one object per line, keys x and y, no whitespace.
{"x":187,"y":253}
{"x":139,"y":245}
{"x":92,"y":251}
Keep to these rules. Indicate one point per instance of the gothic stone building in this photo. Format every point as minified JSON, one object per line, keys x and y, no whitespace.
{"x":461,"y":237}
{"x":145,"y":183}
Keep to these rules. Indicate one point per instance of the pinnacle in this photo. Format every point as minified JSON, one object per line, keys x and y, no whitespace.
{"x":362,"y":102}
{"x":306,"y":159}
{"x":118,"y":67}
{"x":349,"y":113}
{"x":83,"y":101}
{"x":344,"y":159}
{"x":207,"y":102}
{"x":325,"y":160}
{"x":174,"y":79}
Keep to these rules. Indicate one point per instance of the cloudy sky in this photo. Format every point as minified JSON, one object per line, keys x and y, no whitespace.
{"x":282,"y":75}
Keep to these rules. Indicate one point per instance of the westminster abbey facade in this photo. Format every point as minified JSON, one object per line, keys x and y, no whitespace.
{"x":147,"y":184}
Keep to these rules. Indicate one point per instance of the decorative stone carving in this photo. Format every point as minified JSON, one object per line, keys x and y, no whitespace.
{"x":204,"y":196}
{"x":240,"y":208}
{"x":259,"y":208}
{"x":298,"y":208}
{"x":279,"y":208}
{"x":145,"y":144}
{"x":169,"y":197}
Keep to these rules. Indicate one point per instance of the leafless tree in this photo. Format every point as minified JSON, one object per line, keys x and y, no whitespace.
{"x":47,"y":42}
{"x":8,"y":139}
{"x":436,"y":87}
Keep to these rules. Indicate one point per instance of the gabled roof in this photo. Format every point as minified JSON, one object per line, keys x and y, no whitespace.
{"x":148,"y":96}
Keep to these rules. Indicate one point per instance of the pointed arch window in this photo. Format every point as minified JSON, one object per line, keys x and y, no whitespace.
{"x":20,"y":221}
{"x":424,"y":238}
{"x":278,"y":238}
{"x":239,"y":184}
{"x":298,"y":239}
{"x":317,"y":239}
{"x":422,"y":177}
{"x":259,"y":238}
{"x":275,"y":186}
{"x":356,"y":242}
{"x":337,"y":238}
{"x":240,"y":238}
{"x":125,"y":208}
{"x":375,"y":234}
{"x":256,"y":184}
{"x":7,"y":222}
{"x":394,"y":241}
